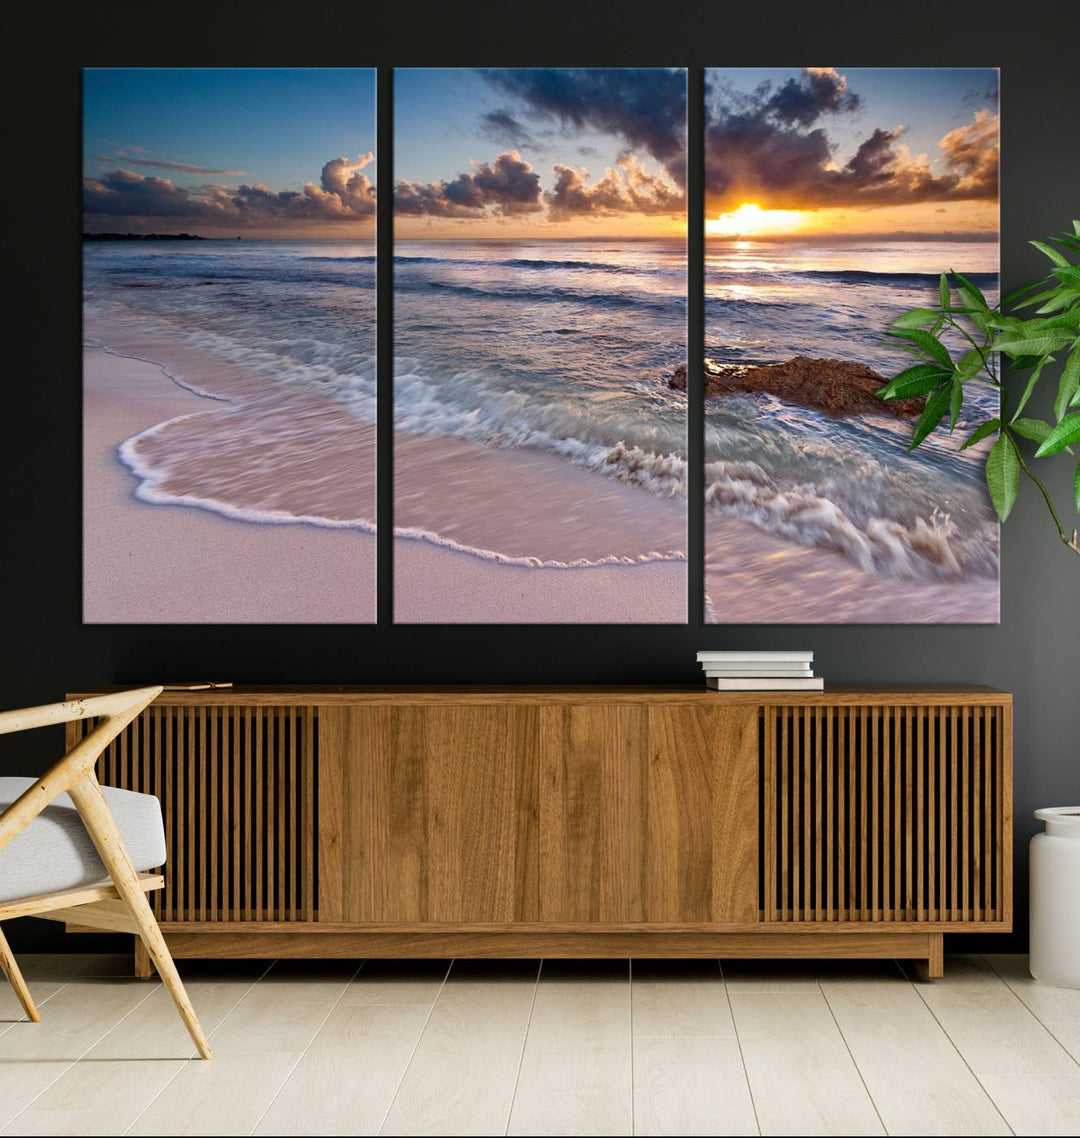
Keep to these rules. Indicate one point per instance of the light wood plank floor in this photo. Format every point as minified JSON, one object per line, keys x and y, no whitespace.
{"x":563,"y":1047}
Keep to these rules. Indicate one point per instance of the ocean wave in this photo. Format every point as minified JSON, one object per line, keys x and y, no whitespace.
{"x":911,"y":280}
{"x":369,"y":259}
{"x":535,"y":263}
{"x":547,"y":295}
{"x":334,"y":370}
{"x":926,"y":548}
{"x":642,"y":449}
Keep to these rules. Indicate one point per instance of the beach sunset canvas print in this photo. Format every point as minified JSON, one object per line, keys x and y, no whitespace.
{"x":539,"y":322}
{"x":229,"y":360}
{"x":834,"y":198}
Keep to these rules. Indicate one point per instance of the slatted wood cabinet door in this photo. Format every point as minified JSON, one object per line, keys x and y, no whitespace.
{"x":648,"y":814}
{"x":429,"y":814}
{"x":887,"y":813}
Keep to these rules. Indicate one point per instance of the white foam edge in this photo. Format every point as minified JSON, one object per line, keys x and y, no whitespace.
{"x":89,"y":342}
{"x":418,"y":534}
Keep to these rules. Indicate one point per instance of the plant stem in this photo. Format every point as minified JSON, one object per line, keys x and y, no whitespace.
{"x":1072,"y":542}
{"x":981,"y":349}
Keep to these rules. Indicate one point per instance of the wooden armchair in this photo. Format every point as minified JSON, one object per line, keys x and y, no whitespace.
{"x":55,"y":873}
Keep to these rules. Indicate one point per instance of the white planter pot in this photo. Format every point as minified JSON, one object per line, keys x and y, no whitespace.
{"x":1055,"y":898}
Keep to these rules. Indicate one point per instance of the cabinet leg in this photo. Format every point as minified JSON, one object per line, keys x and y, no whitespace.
{"x":935,"y":963}
{"x":143,"y":970}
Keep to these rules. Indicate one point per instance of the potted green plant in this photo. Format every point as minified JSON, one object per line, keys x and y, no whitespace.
{"x":979,"y":332}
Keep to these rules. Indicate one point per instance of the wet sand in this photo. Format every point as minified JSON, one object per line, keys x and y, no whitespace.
{"x":752,"y":577}
{"x":154,"y":564}
{"x":191,"y":539}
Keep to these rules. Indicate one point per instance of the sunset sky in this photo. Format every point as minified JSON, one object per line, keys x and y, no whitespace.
{"x":846,"y":151}
{"x":542,"y":152}
{"x":539,"y":152}
{"x":219,"y":152}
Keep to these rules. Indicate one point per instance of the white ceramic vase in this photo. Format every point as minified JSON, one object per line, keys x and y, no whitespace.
{"x":1055,"y":898}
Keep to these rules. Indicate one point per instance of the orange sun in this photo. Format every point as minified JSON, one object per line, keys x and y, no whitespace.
{"x":750,"y":220}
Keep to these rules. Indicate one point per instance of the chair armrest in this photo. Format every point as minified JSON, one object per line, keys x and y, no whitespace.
{"x":115,"y":703}
{"x":116,"y":711}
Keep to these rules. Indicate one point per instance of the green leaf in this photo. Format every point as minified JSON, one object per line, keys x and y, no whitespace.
{"x":971,"y":292}
{"x":1003,"y":475}
{"x":1066,"y":321}
{"x":956,"y":401}
{"x":933,"y":413}
{"x":943,"y":290}
{"x":1063,"y":299}
{"x":981,"y":432}
{"x":914,"y":381}
{"x":1064,"y":434}
{"x":1069,"y":384}
{"x":971,"y":363}
{"x":930,"y":345}
{"x":1032,"y":380}
{"x":1031,"y":343}
{"x":975,"y":303}
{"x":1068,"y":274}
{"x":1015,"y":295}
{"x":1022,"y":363}
{"x":1039,"y":297}
{"x":915,"y":318}
{"x":1034,"y":429}
{"x":1050,"y":251}
{"x":1076,"y":226}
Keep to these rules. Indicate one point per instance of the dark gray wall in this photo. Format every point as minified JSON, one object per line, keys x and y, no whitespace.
{"x":1034,"y":653}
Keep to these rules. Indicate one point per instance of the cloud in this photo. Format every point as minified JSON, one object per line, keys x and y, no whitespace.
{"x":505,"y":187}
{"x":344,"y":193}
{"x":769,"y":146}
{"x":818,"y":91}
{"x":502,"y":128}
{"x":161,"y":164}
{"x":627,"y":188}
{"x":645,"y":107}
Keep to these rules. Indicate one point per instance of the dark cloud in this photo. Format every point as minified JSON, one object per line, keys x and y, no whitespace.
{"x":645,"y":107}
{"x":770,"y":146}
{"x":344,"y":193}
{"x":502,"y":128}
{"x":818,"y":91}
{"x":628,"y":188}
{"x":505,"y":187}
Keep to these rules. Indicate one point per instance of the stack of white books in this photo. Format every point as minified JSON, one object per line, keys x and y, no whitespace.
{"x":760,"y":671}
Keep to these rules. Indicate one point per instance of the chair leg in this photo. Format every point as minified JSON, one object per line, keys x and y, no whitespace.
{"x":106,"y":838}
{"x":15,"y":979}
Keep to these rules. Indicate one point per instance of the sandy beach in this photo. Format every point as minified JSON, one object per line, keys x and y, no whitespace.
{"x":163,"y":564}
{"x":159,"y":562}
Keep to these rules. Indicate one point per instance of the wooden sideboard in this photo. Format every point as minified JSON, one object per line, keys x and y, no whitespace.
{"x":576,"y":821}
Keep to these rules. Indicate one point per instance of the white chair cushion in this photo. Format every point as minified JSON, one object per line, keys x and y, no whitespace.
{"x":55,"y":852}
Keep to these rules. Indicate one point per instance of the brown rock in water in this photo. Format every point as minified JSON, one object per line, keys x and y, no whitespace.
{"x":836,"y":387}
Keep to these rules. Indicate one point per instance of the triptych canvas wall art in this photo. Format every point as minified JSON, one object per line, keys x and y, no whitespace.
{"x":539,"y":332}
{"x":539,"y":304}
{"x":833,"y":199}
{"x":229,"y":373}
